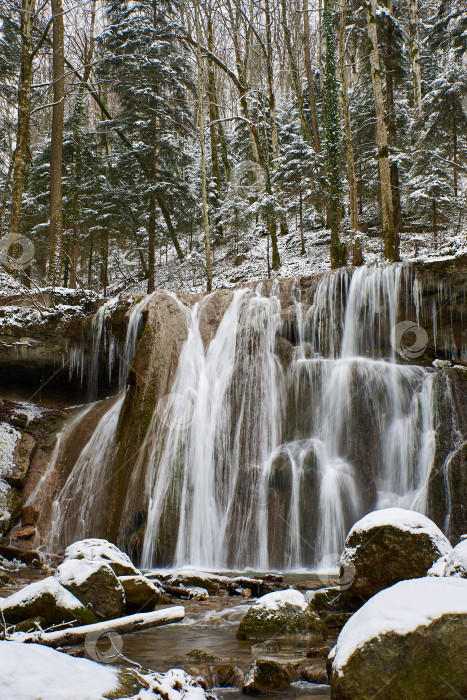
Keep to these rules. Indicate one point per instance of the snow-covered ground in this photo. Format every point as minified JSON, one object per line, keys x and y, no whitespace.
{"x":247,"y":259}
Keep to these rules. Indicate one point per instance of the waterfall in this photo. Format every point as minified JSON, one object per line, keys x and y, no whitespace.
{"x":245,"y":452}
{"x":79,"y":509}
{"x":284,"y":424}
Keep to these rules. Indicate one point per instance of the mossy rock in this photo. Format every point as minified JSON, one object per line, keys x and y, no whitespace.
{"x":287,"y":621}
{"x":200,"y":655}
{"x":46,"y":599}
{"x":265,"y":676}
{"x":141,"y":594}
{"x":30,"y":625}
{"x":427,"y":663}
{"x":336,"y":620}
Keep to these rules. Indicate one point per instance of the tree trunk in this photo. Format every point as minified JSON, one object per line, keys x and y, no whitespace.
{"x":396,"y":198}
{"x":332,"y":137}
{"x":414,"y":44}
{"x":309,"y":76}
{"x":391,"y":251}
{"x":454,"y":145}
{"x":56,"y":143}
{"x":5,"y":195}
{"x":204,"y":193}
{"x":353,"y":195}
{"x":294,"y":74}
{"x":28,"y":9}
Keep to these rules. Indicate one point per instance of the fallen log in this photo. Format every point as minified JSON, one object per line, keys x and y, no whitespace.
{"x":121,"y":625}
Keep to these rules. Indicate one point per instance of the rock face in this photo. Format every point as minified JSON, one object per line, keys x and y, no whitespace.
{"x":282,"y":614}
{"x":96,"y":550}
{"x":388,"y":546}
{"x":141,"y":594}
{"x":94,"y":584}
{"x":47,"y":599}
{"x":452,"y":564}
{"x":408,"y":642}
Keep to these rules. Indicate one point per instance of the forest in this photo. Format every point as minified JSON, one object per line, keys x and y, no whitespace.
{"x":145,"y":140}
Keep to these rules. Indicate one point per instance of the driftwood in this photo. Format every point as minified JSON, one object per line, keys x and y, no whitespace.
{"x":121,"y":625}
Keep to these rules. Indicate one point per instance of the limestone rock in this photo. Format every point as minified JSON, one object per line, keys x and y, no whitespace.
{"x":29,"y":515}
{"x":282,"y":614}
{"x":140,"y":593}
{"x":388,"y":546}
{"x":265,"y":676}
{"x":102,"y":551}
{"x":47,"y":599}
{"x":24,"y":450}
{"x":95,"y":585}
{"x":26,"y":532}
{"x":408,"y":642}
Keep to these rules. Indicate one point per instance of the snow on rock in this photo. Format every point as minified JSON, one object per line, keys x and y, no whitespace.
{"x":176,"y":684}
{"x":278,"y":599}
{"x":387,"y":546}
{"x":47,"y":599}
{"x":102,"y":550}
{"x":35,"y":672}
{"x":403,"y":519}
{"x":456,"y":561}
{"x":409,"y":638}
{"x":282,"y":614}
{"x":94,"y":584}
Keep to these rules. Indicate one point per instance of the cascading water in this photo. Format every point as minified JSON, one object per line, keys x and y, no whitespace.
{"x":265,"y":451}
{"x":80,"y":506}
{"x":276,"y":435}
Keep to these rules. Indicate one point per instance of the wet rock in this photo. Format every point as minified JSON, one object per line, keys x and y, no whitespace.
{"x":102,"y":551}
{"x":317,"y":652}
{"x":47,"y":599}
{"x":265,"y":676}
{"x":201,"y":655}
{"x":11,"y":553}
{"x":246,"y":593}
{"x":385,"y":547}
{"x":406,"y":643}
{"x":29,"y":515}
{"x":141,"y":594}
{"x":25,"y":533}
{"x":312,"y":672}
{"x":282,"y":614}
{"x":95,"y":585}
{"x":198,"y":580}
{"x":336,"y":620}
{"x":228,"y":676}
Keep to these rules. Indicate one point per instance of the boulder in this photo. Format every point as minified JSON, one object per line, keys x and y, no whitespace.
{"x":265,"y":676}
{"x":140,"y":593}
{"x":408,"y":642}
{"x":456,"y":562}
{"x":198,"y":579}
{"x":102,"y":550}
{"x":95,"y":585}
{"x":282,"y":614}
{"x":24,"y":451}
{"x":47,"y":599}
{"x":388,"y":546}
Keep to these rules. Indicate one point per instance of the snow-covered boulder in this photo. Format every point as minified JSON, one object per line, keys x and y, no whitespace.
{"x":456,"y":561}
{"x":282,"y":614}
{"x":140,"y":593}
{"x":407,"y":642}
{"x":388,"y":546}
{"x":94,"y":584}
{"x":46,"y":599}
{"x":102,"y":550}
